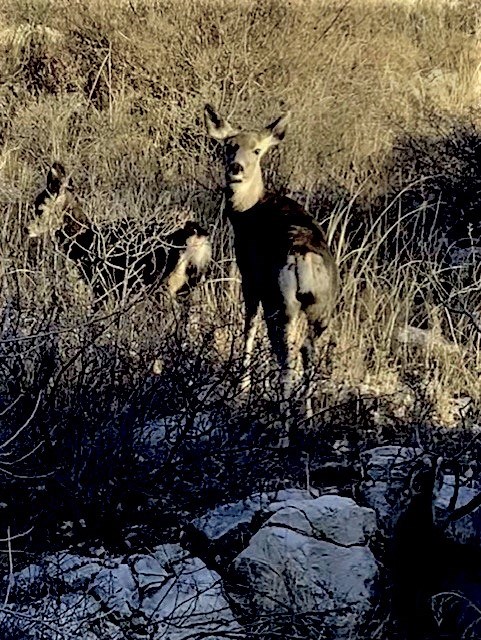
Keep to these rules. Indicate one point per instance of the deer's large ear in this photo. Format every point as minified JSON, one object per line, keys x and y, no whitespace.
{"x":56,"y":172}
{"x":277,"y":129}
{"x":216,"y":126}
{"x":56,"y":176}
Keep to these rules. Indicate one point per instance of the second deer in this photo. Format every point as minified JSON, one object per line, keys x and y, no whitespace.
{"x":176,"y":260}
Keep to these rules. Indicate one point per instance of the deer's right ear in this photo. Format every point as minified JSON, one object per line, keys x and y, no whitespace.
{"x":57,"y":171}
{"x":217,"y":127}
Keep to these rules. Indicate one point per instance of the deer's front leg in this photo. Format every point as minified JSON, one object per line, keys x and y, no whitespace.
{"x":250,"y":330}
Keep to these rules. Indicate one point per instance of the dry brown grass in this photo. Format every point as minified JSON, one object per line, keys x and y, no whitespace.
{"x":115,"y":90}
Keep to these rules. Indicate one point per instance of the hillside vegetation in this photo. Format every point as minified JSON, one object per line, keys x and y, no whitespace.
{"x":384,"y":149}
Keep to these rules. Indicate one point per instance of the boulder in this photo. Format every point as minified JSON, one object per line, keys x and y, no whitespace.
{"x":179,"y":594}
{"x":467,"y":529}
{"x":72,"y":615}
{"x":57,"y":573}
{"x":385,"y":484}
{"x":331,"y":518}
{"x":387,"y":474}
{"x":310,"y":564}
{"x":160,"y":596}
{"x":223,"y":532}
{"x":116,"y":589}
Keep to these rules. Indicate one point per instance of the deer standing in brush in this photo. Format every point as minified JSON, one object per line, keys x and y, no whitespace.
{"x":282,"y":255}
{"x":113,"y":258}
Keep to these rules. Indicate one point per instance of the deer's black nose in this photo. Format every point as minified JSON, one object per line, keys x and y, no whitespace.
{"x":235,"y":168}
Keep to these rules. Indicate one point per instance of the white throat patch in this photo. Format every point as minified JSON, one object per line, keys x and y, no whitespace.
{"x":244,"y":195}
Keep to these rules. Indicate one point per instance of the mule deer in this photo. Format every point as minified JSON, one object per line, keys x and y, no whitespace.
{"x":284,"y":262}
{"x":177,"y":260}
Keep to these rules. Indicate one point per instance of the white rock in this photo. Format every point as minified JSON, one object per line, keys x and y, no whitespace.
{"x":62,"y":570}
{"x":284,"y":572}
{"x":72,"y":615}
{"x":423,"y":338}
{"x":388,"y":462}
{"x":70,"y":570}
{"x":183,"y":596}
{"x":165,"y":596}
{"x":331,"y":518}
{"x":149,"y":572}
{"x":155,"y":569}
{"x":386,"y":473}
{"x":116,"y":589}
{"x":288,"y":498}
{"x":465,"y":530}
{"x":222,"y":520}
{"x":25,"y":579}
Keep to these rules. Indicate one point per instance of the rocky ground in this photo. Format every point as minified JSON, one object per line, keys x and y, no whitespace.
{"x":291,"y":563}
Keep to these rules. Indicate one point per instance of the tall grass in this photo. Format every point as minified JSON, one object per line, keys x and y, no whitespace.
{"x":116,"y":89}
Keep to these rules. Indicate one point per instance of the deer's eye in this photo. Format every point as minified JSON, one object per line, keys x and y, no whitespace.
{"x":257,"y":151}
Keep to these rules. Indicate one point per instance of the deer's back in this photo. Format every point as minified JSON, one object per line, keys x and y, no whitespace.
{"x":275,"y":228}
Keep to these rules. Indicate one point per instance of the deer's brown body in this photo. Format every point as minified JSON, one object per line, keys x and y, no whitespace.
{"x":273,"y":239}
{"x":281,"y":252}
{"x":108,"y":259}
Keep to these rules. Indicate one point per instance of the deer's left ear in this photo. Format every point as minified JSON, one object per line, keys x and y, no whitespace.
{"x":277,"y":129}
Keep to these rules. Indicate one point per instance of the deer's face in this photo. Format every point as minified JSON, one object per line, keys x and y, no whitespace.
{"x":242,"y":156}
{"x":52,"y":203}
{"x":199,"y":251}
{"x":192,"y":259}
{"x":243,"y":150}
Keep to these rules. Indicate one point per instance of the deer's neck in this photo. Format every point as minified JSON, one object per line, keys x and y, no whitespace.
{"x":245,"y":195}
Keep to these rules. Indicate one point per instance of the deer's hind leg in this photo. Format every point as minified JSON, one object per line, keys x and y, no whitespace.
{"x":281,"y":329}
{"x":287,"y":326}
{"x":317,"y":288}
{"x":308,"y":351}
{"x":284,"y":323}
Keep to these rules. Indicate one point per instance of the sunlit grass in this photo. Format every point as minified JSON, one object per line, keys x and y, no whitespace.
{"x":116,"y":89}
